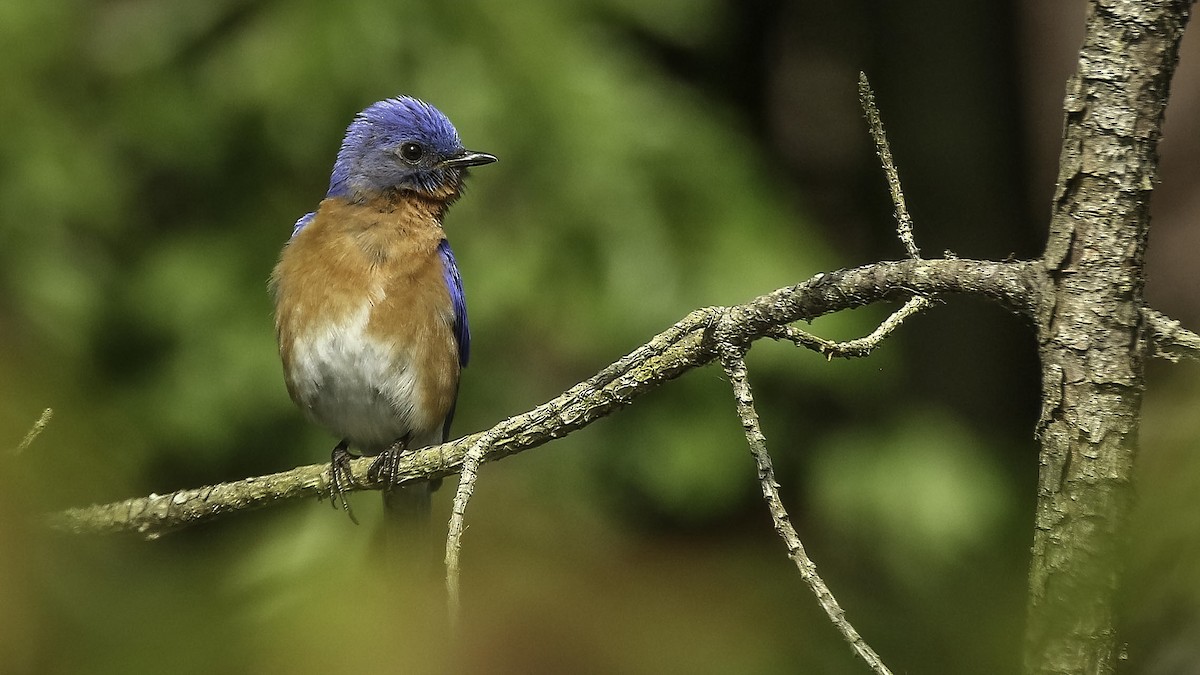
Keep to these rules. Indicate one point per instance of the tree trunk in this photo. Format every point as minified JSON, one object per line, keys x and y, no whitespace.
{"x":1090,"y":335}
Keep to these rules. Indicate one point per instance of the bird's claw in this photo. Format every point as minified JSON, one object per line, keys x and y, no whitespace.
{"x":340,"y":476}
{"x":386,"y":467}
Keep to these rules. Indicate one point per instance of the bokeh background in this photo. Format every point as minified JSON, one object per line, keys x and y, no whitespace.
{"x":655,"y":157}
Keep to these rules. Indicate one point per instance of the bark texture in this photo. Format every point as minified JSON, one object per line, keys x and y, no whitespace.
{"x":1091,"y":329}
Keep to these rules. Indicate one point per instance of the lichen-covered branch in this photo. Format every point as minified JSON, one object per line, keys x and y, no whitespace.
{"x":680,"y":348}
{"x":668,"y":355}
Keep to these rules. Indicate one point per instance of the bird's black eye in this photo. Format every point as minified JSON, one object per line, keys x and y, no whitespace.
{"x":411,"y":152}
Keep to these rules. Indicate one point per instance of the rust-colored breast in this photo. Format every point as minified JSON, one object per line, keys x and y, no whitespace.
{"x":364,"y":320}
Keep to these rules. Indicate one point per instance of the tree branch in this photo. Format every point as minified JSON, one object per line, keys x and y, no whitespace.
{"x":668,"y":355}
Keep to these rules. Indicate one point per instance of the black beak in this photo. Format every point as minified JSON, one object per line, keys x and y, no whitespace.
{"x":469,"y":158}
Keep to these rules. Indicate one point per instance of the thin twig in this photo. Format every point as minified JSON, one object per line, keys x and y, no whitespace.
{"x":38,"y":427}
{"x":466,"y":488}
{"x":850,"y":349}
{"x":735,"y":367}
{"x":904,"y":227}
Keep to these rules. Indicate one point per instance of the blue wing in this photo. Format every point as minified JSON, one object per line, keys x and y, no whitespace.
{"x":462,"y":331}
{"x":304,"y":220}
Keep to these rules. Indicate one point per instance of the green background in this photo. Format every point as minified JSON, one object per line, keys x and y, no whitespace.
{"x":654,"y":158}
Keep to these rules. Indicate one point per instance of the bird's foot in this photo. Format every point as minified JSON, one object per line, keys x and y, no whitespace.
{"x":386,"y":467}
{"x":340,"y":477}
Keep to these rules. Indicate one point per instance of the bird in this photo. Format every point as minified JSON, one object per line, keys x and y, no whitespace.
{"x":370,"y":314}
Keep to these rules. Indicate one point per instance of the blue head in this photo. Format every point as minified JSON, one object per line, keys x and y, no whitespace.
{"x":402,"y":144}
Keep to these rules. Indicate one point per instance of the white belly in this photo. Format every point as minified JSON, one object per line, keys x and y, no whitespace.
{"x":358,"y":387}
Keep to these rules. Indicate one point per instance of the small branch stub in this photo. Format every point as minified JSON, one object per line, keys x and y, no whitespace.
{"x":38,"y":427}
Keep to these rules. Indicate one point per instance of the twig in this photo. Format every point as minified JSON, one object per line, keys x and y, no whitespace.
{"x":735,"y":367}
{"x":850,"y":349}
{"x":466,"y":488}
{"x":38,"y":427}
{"x":904,"y":227}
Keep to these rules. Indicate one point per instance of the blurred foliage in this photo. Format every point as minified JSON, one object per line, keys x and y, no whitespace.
{"x":153,"y":157}
{"x":925,"y":502}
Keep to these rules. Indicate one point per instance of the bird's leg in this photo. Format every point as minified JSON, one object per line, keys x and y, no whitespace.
{"x":339,"y":476}
{"x":386,"y":467}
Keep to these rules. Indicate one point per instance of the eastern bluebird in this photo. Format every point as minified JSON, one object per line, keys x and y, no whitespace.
{"x":369,"y":307}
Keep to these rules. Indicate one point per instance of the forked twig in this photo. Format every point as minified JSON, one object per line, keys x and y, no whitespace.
{"x":732,"y":359}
